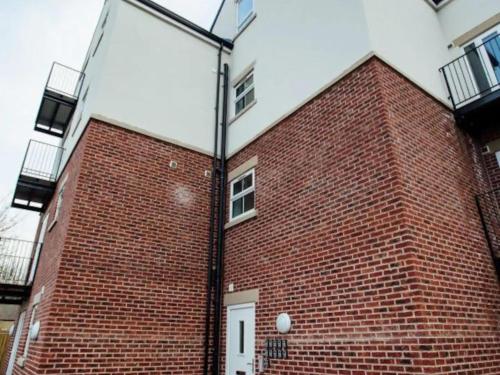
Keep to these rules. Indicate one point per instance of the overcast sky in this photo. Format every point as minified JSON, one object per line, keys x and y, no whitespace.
{"x":33,"y":34}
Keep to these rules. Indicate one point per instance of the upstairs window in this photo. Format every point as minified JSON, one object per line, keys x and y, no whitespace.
{"x":245,"y":11}
{"x":243,"y":194}
{"x":245,"y":93}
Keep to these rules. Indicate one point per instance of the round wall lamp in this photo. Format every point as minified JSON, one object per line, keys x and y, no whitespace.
{"x":283,"y":323}
{"x":35,"y":330}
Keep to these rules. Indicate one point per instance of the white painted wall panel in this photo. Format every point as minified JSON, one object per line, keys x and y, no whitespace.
{"x":408,"y":35}
{"x":460,"y":16}
{"x":297,"y":50}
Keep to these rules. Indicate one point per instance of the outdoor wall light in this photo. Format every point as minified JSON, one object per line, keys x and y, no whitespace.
{"x":35,"y":330}
{"x":283,"y":323}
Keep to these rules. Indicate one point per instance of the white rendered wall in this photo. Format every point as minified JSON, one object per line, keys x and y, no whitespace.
{"x":297,"y":50}
{"x":158,"y":78}
{"x":407,"y":34}
{"x":152,"y":77}
{"x":460,"y":16}
{"x":92,"y":70}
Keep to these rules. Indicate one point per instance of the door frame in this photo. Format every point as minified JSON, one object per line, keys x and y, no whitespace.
{"x":228,"y":315}
{"x":488,"y":71}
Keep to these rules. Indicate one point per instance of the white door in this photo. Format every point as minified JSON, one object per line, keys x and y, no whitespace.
{"x":15,"y":345}
{"x":240,"y":343}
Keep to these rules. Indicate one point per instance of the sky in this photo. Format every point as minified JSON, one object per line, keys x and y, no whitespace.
{"x":33,"y":34}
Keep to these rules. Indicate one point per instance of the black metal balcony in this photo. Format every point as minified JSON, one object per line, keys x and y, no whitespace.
{"x":37,"y":180}
{"x":59,"y":100}
{"x":473,"y":80}
{"x":489,"y":209}
{"x":17,"y":269}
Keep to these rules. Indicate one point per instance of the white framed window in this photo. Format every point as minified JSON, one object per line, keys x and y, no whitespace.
{"x":244,"y":12}
{"x":30,"y":329}
{"x":242,"y":195}
{"x":60,"y":197}
{"x":59,"y":202}
{"x":97,"y":45}
{"x":245,"y":93}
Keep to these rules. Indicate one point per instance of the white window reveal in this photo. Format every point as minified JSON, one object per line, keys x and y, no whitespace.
{"x":245,"y":11}
{"x":243,"y":195}
{"x":245,"y":93}
{"x":59,"y":203}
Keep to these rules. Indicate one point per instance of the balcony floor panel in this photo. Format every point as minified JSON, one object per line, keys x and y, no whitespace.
{"x":55,"y":113}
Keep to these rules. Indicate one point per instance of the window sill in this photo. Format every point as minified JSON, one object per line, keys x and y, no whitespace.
{"x":247,"y":108}
{"x":247,"y":216}
{"x":52,"y":225}
{"x":245,"y":25}
{"x":21,"y":360}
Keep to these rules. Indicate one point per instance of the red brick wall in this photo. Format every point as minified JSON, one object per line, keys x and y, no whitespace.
{"x":459,"y":295}
{"x":367,"y":235}
{"x":47,"y":271}
{"x":129,"y":295}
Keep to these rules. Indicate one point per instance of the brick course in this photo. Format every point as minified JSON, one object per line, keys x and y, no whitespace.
{"x":130,"y":261}
{"x":367,"y":235}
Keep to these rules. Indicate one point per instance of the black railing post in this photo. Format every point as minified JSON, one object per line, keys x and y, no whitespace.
{"x":470,"y":74}
{"x":16,"y":257}
{"x":448,"y":87}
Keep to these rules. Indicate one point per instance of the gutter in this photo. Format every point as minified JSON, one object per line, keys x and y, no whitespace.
{"x":183,"y":21}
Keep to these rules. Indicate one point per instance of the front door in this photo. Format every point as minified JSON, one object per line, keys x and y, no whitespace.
{"x":240,"y":346}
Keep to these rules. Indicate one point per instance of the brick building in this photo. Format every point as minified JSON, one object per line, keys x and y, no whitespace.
{"x":346,"y":183}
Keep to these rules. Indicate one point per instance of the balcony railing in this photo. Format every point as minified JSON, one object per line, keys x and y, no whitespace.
{"x":474,"y":75}
{"x":15,"y":261}
{"x":65,"y":80}
{"x":489,"y":209}
{"x":38,"y":176}
{"x":59,"y":101}
{"x":42,"y":161}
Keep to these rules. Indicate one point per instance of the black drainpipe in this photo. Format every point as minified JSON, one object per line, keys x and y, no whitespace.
{"x":211,"y":233}
{"x":219,"y":268}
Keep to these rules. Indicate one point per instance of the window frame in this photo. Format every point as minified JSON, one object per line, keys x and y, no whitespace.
{"x":241,"y":194}
{"x":244,"y":93}
{"x":241,"y":25}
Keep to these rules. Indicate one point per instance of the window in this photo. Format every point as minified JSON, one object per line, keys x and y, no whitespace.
{"x":59,"y":203}
{"x":85,"y":64}
{"x":97,"y":45}
{"x":30,"y":328}
{"x":84,"y":99}
{"x":245,"y":11}
{"x":105,"y":20}
{"x":77,"y":124}
{"x":243,"y":194}
{"x":245,"y":93}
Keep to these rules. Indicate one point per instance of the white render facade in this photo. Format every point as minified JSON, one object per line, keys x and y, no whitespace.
{"x":330,"y":216}
{"x":158,"y":77}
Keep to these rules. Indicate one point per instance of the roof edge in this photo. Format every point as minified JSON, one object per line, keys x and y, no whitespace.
{"x":217,"y":15}
{"x":185,"y":22}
